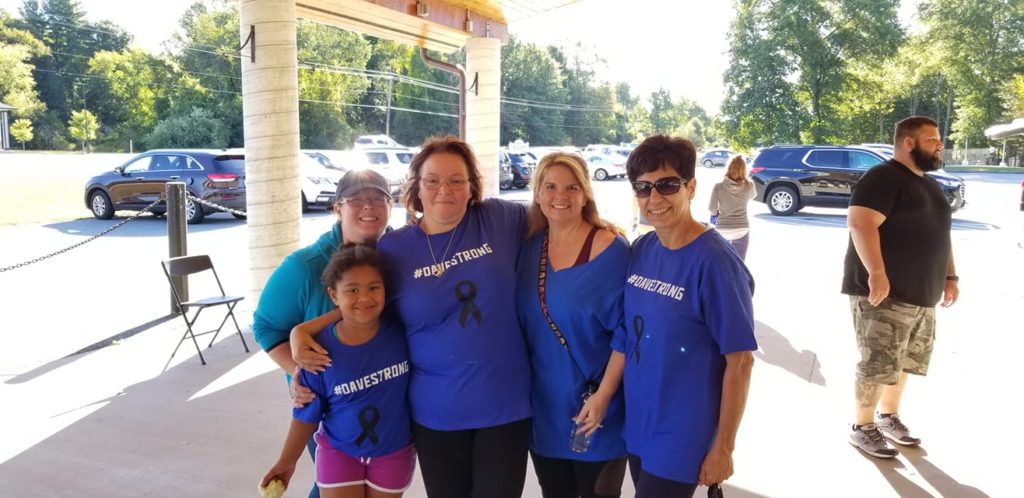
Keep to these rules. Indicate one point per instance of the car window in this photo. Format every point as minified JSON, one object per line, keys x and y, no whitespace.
{"x":826,"y":158}
{"x":175,"y":163}
{"x":140,"y":165}
{"x":193,"y":165}
{"x":862,"y":160}
{"x":404,"y":157}
{"x":233,"y":163}
{"x":377,"y":157}
{"x":779,"y":158}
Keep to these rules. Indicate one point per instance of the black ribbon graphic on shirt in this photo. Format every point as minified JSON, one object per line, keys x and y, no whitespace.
{"x":638,"y":331}
{"x":468,"y":299}
{"x":368,"y":418}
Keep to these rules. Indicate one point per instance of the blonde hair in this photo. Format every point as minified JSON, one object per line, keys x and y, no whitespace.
{"x":578,"y":166}
{"x":737,"y":169}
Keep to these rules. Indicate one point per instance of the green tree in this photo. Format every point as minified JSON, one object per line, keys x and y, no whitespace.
{"x":207,"y":64}
{"x":17,"y":84}
{"x":663,"y":112}
{"x":590,"y":113}
{"x":980,"y":45}
{"x":199,"y":128}
{"x":21,"y":130}
{"x":133,"y":94}
{"x":535,"y":96}
{"x":819,"y":38}
{"x":71,"y":41}
{"x":325,"y":92}
{"x":83,"y":126}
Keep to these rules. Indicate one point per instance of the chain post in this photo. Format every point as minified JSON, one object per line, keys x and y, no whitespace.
{"x":177,"y":236}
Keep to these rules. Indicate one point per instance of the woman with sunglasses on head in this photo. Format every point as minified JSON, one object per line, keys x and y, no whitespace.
{"x":689,"y":333}
{"x":453,"y":285}
{"x":569,"y":299}
{"x":728,"y":205}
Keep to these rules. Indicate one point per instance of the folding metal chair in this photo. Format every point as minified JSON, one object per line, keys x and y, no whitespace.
{"x":183,"y":266}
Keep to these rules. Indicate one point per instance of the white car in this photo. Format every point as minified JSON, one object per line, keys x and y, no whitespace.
{"x":319,"y":184}
{"x":606,"y":166}
{"x":369,"y":141}
{"x":392,"y":162}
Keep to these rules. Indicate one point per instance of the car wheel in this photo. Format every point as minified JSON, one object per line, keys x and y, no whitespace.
{"x":193,"y":212}
{"x":305,"y":203}
{"x":600,"y":175}
{"x":505,"y":185}
{"x":709,"y":163}
{"x":101,"y":206}
{"x":783,"y":200}
{"x":239,"y":216}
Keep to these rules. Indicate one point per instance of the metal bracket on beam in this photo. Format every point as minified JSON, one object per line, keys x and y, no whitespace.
{"x":250,"y":42}
{"x":474,"y":87}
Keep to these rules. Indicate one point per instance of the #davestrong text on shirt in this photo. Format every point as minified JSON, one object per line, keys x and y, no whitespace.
{"x":370,"y":380}
{"x":456,"y":259}
{"x":656,"y":286}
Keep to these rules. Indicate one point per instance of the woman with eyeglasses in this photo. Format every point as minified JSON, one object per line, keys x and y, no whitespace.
{"x":689,"y":332}
{"x":569,"y":299}
{"x":453,"y":281}
{"x":728,"y":206}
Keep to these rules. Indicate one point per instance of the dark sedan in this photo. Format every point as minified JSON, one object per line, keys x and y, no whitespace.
{"x":216,"y":176}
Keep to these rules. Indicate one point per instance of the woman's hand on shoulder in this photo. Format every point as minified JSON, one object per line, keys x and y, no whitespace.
{"x":300,"y":394}
{"x":310,"y":355}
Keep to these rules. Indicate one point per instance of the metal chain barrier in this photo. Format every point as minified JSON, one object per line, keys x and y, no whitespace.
{"x":86,"y":241}
{"x":215,"y":206}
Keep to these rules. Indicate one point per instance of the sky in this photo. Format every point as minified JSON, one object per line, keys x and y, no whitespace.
{"x":680,"y":45}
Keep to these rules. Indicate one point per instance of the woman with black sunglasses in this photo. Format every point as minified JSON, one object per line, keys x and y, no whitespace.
{"x":690,"y":332}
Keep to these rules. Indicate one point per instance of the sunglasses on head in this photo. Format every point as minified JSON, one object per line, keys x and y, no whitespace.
{"x":664,"y":186}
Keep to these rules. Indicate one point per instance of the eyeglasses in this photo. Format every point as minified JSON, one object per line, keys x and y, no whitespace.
{"x":664,"y":186}
{"x":360,"y":202}
{"x":435,"y":182}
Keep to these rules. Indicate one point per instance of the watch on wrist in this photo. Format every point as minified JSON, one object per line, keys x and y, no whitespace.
{"x":953,"y":278}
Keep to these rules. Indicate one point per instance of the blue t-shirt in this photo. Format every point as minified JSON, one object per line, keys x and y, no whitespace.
{"x":470,"y":368}
{"x":684,"y":310}
{"x":361,"y":398}
{"x":585,"y":302}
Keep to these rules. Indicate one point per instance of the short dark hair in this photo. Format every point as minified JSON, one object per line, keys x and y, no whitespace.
{"x":350,"y":256}
{"x":437,"y":145}
{"x":679,"y":154}
{"x":908,"y":127}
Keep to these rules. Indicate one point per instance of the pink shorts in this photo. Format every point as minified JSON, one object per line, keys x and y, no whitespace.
{"x":390,"y":473}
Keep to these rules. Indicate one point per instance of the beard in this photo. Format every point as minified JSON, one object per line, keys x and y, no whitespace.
{"x":925,"y":161}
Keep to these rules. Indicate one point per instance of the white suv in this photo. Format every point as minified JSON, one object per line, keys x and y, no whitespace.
{"x":392,"y":162}
{"x":319,"y":184}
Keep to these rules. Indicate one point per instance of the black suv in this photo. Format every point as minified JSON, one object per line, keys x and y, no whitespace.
{"x":789,"y":177}
{"x":217,"y":176}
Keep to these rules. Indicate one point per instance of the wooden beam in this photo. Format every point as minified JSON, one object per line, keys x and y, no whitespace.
{"x":443,"y":29}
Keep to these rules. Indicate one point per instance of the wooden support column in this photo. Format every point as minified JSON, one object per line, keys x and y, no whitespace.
{"x":270,"y":109}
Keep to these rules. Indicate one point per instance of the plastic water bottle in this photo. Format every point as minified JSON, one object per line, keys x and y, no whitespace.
{"x":580,"y":442}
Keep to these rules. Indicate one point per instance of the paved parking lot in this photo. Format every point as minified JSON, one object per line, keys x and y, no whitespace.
{"x":122,"y":421}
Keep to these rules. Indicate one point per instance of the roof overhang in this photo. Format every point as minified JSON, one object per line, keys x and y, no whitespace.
{"x":1005,"y":130}
{"x":433,"y":24}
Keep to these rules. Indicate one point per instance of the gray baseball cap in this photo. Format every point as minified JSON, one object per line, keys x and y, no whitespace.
{"x":361,"y":179}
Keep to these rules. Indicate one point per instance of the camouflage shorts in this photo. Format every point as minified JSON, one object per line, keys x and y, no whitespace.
{"x":892,"y":337}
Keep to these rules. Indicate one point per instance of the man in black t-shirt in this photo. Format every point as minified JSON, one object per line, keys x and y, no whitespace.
{"x":899,"y":264}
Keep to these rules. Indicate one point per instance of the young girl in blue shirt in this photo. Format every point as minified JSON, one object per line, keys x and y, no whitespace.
{"x":360,"y":415}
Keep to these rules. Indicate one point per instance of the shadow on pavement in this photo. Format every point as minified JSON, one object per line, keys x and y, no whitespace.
{"x":839,"y":221}
{"x":143,"y":226}
{"x":895,"y":472}
{"x":775,"y":349}
{"x":82,"y":353}
{"x":190,"y":431}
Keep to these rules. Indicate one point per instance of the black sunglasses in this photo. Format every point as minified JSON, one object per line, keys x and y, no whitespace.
{"x":664,"y":186}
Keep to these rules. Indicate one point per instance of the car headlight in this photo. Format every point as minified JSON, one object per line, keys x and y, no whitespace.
{"x":948,"y":183}
{"x":320,"y":180}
